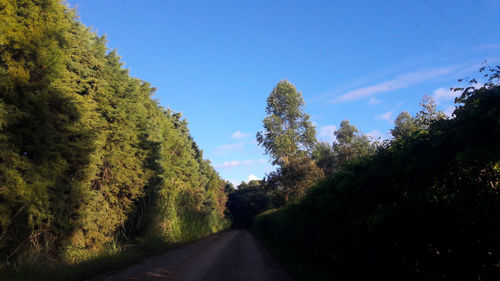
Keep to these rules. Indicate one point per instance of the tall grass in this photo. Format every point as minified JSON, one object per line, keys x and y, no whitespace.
{"x":114,"y":257}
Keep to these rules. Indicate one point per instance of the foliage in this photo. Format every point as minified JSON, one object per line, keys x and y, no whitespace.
{"x":88,"y":160}
{"x":350,"y":145}
{"x":290,"y":138}
{"x":428,"y":113}
{"x":249,"y":200}
{"x":423,"y":208}
{"x":288,"y":131}
{"x":324,"y":157}
{"x":405,"y":125}
{"x":294,"y":178}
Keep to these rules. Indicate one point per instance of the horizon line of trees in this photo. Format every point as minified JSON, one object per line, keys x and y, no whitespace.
{"x":289,"y":138}
{"x":424,"y":205}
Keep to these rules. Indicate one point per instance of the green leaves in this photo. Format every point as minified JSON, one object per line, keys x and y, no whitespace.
{"x":423,"y":208}
{"x":289,"y":137}
{"x":288,"y":131}
{"x":87,"y":158}
{"x":405,"y":125}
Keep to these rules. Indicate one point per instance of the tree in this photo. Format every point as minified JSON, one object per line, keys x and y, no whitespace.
{"x":324,"y":156}
{"x":404,"y":126}
{"x":288,"y":130}
{"x":250,"y":199}
{"x":425,"y":208}
{"x":297,"y":176}
{"x":256,"y":184}
{"x":350,"y":144}
{"x":228,"y":187}
{"x":428,"y":113}
{"x":88,"y":158}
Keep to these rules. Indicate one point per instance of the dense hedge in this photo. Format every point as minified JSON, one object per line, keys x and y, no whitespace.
{"x":88,"y":160}
{"x":426,"y":207}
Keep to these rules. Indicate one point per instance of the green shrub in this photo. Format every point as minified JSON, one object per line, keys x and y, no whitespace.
{"x":89,"y":162}
{"x":426,"y":207}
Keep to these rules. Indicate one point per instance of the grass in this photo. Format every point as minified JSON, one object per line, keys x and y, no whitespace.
{"x":59,"y":271}
{"x":114,"y":259}
{"x":92,"y":268}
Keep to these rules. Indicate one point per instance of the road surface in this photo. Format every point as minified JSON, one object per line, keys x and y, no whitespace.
{"x":235,"y":255}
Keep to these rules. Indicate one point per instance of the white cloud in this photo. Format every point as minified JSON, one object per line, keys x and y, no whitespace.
{"x":376,"y":134}
{"x":488,"y":46}
{"x":235,"y":182}
{"x":239,"y":135}
{"x":252,"y":177}
{"x":449,"y":111}
{"x":444,"y":94}
{"x":326,"y":133}
{"x":374,"y":101}
{"x":399,"y":82}
{"x":222,"y":149}
{"x":239,"y":163}
{"x":229,"y":164}
{"x":447,"y":94}
{"x":385,"y":116}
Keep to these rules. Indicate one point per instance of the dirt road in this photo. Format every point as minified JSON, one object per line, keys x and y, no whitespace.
{"x":233,"y":255}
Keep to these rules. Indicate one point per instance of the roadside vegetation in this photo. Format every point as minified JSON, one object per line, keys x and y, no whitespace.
{"x":423,"y":205}
{"x":95,"y":174}
{"x":91,"y":166}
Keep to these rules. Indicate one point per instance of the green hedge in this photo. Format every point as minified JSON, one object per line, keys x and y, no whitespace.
{"x":89,"y":161}
{"x":423,"y":208}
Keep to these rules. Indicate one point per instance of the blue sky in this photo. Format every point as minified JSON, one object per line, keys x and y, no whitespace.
{"x":365,"y":61}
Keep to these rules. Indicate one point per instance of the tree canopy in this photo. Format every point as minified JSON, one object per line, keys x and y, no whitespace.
{"x":405,"y":124}
{"x":423,"y":207}
{"x":288,"y":131}
{"x":350,"y":144}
